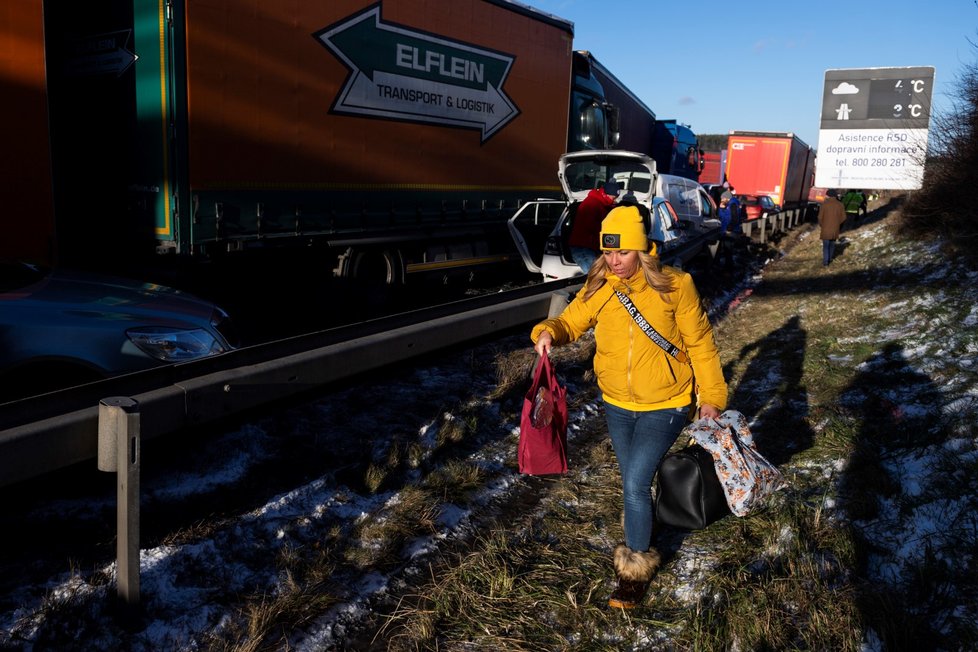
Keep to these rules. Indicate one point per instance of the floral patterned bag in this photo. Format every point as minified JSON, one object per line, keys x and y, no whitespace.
{"x":747,"y":478}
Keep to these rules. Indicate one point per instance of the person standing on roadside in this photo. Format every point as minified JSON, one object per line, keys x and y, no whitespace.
{"x":731,"y":217}
{"x":736,"y":208}
{"x":728,"y":236}
{"x":854,"y":201}
{"x":630,"y":299}
{"x":723,"y":212}
{"x":831,"y":217}
{"x":583,"y":240}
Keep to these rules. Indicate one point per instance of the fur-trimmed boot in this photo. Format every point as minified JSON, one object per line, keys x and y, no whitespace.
{"x":634,"y":571}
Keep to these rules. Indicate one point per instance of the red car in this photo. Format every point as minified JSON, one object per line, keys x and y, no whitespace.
{"x":756,"y":206}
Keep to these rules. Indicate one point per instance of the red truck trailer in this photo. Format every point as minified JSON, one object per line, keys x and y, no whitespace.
{"x":27,"y":218}
{"x":779,"y":165}
{"x":374,"y":139}
{"x":817,"y":194}
{"x":714,"y":165}
{"x":369,"y":140}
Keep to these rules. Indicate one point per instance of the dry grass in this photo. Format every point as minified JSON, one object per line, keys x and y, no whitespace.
{"x":534,"y":571}
{"x":786,"y":578}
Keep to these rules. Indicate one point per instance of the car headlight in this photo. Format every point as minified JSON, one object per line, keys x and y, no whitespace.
{"x":173,"y":346}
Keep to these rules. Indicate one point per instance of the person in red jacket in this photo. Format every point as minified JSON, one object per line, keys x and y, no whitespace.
{"x":583,"y":239}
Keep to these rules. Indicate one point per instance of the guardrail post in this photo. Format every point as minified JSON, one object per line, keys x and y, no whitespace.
{"x":119,"y":452}
{"x":558,"y":301}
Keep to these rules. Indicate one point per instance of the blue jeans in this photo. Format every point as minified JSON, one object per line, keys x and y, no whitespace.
{"x":584,"y":257}
{"x":828,"y":248}
{"x":641,"y":440}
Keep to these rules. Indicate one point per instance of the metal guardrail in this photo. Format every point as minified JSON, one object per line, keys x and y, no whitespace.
{"x":772,"y":223}
{"x":53,"y":431}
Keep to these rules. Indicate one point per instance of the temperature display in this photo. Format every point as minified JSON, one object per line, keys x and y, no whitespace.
{"x":899,"y":99}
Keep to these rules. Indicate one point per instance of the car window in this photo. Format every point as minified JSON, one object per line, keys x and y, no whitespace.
{"x":690,"y":207}
{"x":662,"y":221}
{"x":636,"y":181}
{"x":675,"y":195}
{"x":588,"y":174}
{"x":706,"y":206}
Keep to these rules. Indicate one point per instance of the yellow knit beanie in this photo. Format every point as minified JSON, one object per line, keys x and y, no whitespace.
{"x":623,"y":228}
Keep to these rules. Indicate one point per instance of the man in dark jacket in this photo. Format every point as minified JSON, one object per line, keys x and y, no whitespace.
{"x":585,"y":233}
{"x":831,"y":216}
{"x":731,"y":220}
{"x":729,"y":227}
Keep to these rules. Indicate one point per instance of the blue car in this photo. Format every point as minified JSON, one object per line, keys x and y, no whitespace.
{"x":62,"y":328}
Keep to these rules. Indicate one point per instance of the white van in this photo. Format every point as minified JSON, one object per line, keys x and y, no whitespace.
{"x":684,"y":216}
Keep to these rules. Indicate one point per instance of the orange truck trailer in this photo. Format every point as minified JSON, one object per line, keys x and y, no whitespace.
{"x":779,"y":165}
{"x":371,"y":140}
{"x":27,"y":215}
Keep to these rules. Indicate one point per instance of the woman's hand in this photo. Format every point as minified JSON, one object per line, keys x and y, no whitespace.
{"x":706,"y":410}
{"x":545,"y":342}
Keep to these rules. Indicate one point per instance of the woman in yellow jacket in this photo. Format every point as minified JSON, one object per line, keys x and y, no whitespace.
{"x":648,"y":393}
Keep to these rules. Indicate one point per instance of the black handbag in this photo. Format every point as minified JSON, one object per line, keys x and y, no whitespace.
{"x":688,"y":493}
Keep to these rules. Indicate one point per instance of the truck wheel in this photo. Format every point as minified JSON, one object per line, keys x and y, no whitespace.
{"x":378,"y":267}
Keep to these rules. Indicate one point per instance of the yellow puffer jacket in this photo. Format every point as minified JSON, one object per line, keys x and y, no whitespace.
{"x":633,"y":372}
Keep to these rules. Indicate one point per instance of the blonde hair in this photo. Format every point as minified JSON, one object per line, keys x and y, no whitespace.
{"x":658,"y":277}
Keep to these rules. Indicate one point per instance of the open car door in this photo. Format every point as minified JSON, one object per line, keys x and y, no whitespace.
{"x":532,"y":225}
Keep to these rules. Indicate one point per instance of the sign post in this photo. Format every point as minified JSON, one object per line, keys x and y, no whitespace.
{"x":119,"y":452}
{"x":873,"y":131}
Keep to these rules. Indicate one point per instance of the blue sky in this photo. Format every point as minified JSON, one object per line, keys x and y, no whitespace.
{"x":760,"y":65}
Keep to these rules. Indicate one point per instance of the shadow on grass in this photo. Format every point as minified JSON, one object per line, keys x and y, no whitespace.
{"x":773,"y":398}
{"x":898,"y":412}
{"x":771,"y":393}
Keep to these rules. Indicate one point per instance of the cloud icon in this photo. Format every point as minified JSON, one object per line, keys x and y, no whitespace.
{"x":845,"y":88}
